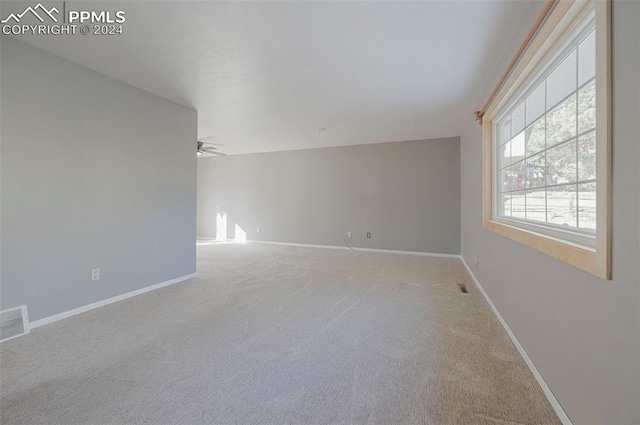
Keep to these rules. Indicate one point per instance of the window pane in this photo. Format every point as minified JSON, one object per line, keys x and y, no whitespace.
{"x":535,"y":137}
{"x":517,"y":119}
{"x":511,"y":178}
{"x":518,"y":205}
{"x":561,"y":163}
{"x":536,"y":205}
{"x":587,"y":206}
{"x":504,"y":156}
{"x":504,"y":204}
{"x":535,"y":104}
{"x":503,"y":180}
{"x":561,"y":122}
{"x":587,"y":107}
{"x":506,"y":130}
{"x":587,"y":59}
{"x":587,"y":156}
{"x":561,"y":205}
{"x":535,"y":171}
{"x":517,"y":148}
{"x":562,"y":80}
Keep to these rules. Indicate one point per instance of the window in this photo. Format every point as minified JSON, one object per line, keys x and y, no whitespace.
{"x":546,"y":136}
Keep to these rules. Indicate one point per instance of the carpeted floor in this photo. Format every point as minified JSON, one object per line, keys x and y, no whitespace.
{"x":280,"y":335}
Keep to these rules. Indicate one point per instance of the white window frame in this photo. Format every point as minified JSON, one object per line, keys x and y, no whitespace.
{"x":589,"y":252}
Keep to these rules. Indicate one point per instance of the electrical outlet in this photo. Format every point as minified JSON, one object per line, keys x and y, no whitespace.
{"x":257,"y":230}
{"x":95,"y":274}
{"x":368,"y":235}
{"x":477,"y":261}
{"x":348,"y":234}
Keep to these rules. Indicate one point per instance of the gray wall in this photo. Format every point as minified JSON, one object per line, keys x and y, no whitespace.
{"x":95,"y":173}
{"x":407,"y":194}
{"x":580,"y":331}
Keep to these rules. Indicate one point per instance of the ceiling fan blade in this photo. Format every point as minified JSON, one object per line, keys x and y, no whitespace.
{"x":208,"y":148}
{"x":211,"y":143}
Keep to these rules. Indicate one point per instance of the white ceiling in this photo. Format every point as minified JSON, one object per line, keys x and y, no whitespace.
{"x":264,"y":76}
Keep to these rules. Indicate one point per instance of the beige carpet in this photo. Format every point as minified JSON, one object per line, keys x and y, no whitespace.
{"x":280,"y":335}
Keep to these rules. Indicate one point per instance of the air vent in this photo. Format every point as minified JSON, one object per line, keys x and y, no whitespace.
{"x":13,"y":323}
{"x":463,"y":288}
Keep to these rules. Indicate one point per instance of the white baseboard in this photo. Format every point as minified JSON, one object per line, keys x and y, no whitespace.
{"x":387,"y":251}
{"x":564,"y":418}
{"x":101,"y":303}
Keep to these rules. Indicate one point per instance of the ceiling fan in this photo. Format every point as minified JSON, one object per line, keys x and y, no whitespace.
{"x":206,"y":149}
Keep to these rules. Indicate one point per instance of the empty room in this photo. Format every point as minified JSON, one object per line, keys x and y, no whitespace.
{"x":320,"y":212}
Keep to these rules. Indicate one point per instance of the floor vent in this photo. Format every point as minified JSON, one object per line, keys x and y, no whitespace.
{"x":13,"y":323}
{"x":463,"y":288}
